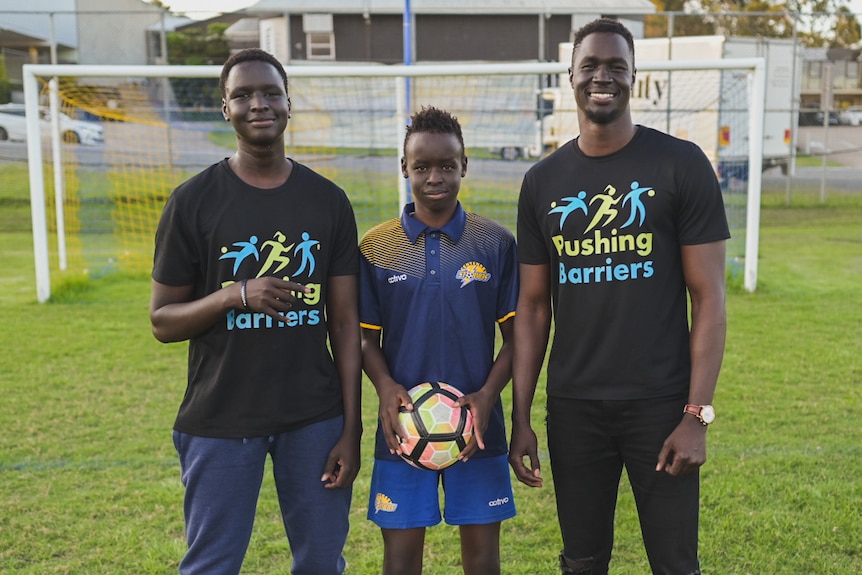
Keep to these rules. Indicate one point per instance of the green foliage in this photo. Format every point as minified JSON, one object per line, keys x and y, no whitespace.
{"x":694,"y":24}
{"x":194,"y":46}
{"x":842,"y":28}
{"x":807,"y":161}
{"x":196,"y":97}
{"x":197,"y":47}
{"x":848,"y":32}
{"x":759,"y":18}
{"x":71,"y":289}
{"x":14,"y":198}
{"x":5,"y":84}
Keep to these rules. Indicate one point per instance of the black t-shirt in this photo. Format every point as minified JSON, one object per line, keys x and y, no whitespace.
{"x":611,"y":229}
{"x":249,"y":375}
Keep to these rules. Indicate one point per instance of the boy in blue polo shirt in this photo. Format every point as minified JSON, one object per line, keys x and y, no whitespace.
{"x":438,"y":323}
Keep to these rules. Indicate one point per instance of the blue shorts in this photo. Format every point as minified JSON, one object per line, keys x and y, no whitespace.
{"x":476,"y":492}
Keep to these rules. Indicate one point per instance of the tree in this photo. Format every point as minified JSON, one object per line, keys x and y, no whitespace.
{"x":683,"y":24}
{"x":847,"y":29}
{"x":814,"y":22}
{"x":194,"y":46}
{"x":5,"y":84}
{"x":826,"y":23}
{"x":197,"y":47}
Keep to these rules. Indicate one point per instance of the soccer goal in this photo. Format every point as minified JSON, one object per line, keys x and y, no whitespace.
{"x":95,"y":205}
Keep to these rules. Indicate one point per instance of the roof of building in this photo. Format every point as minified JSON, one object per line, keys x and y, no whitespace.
{"x":248,"y":28}
{"x":616,"y":7}
{"x":171,"y":23}
{"x":31,"y":24}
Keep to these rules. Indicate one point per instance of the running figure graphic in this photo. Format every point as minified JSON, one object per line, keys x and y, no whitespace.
{"x":277,"y":254}
{"x":574,"y":204}
{"x":249,"y":248}
{"x":637,"y":206}
{"x":606,"y":209}
{"x":304,"y":247}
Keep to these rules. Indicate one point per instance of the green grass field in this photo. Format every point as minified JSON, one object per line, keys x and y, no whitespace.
{"x":89,"y":481}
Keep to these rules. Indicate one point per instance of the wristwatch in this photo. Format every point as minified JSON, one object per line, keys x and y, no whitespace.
{"x":705,"y":413}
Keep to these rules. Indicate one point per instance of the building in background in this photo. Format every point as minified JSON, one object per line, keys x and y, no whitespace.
{"x":76,"y":32}
{"x":362,"y":31}
{"x":830,"y":82}
{"x":442,"y":30}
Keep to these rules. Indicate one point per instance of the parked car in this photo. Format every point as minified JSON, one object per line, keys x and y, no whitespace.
{"x":13,"y":126}
{"x":851,"y":116}
{"x":815,"y":118}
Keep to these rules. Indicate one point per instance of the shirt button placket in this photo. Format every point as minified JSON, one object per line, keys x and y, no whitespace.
{"x":432,"y":256}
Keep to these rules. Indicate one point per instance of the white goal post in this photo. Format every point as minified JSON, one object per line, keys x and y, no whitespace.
{"x":37,"y":83}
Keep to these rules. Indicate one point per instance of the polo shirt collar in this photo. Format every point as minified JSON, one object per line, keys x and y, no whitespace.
{"x":454,"y":228}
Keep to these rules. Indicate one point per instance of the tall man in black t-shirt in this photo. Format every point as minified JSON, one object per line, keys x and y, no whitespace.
{"x":256,"y":264}
{"x":616,"y":230}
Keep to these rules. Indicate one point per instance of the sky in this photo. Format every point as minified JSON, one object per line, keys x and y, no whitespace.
{"x":201,"y":9}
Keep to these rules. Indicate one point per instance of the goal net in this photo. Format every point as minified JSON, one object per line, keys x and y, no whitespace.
{"x":96,"y":201}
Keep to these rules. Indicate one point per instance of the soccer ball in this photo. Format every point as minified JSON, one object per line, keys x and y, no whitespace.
{"x":436,"y":430}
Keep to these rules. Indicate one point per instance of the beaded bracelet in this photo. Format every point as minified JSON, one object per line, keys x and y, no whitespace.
{"x":242,"y":294}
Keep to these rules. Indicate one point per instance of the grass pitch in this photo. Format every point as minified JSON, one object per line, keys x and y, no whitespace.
{"x":89,"y":481}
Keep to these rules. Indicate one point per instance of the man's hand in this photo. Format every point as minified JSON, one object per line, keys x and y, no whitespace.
{"x":684,"y":451}
{"x":525,"y":445}
{"x":271,"y":295}
{"x":343,"y":463}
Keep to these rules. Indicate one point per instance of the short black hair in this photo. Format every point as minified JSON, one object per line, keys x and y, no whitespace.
{"x":435,"y":120}
{"x":606,"y":25}
{"x":250,"y":55}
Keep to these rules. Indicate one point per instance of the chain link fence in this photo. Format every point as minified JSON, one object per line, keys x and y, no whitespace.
{"x":828,"y":143}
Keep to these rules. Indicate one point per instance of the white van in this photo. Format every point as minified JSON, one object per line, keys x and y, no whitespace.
{"x":851,"y":116}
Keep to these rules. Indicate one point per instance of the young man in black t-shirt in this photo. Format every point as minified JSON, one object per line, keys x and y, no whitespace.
{"x":616,"y":230}
{"x":256,"y":264}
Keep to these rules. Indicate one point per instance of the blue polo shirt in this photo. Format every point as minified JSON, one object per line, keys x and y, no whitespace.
{"x":438,"y":294}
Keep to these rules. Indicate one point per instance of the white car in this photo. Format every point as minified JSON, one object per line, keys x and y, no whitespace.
{"x":851,"y":116}
{"x":13,"y":126}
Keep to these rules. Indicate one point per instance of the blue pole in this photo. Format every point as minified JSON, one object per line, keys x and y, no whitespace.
{"x":408,"y":41}
{"x":408,"y":47}
{"x":408,"y":60}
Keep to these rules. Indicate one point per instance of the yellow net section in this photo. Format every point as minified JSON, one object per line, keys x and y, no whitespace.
{"x":117,"y":174}
{"x":128,"y":142}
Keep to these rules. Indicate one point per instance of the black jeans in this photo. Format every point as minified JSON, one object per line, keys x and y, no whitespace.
{"x":590,"y":442}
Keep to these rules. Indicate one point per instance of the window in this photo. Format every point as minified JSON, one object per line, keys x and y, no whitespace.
{"x":815,"y":69}
{"x":320,"y":46}
{"x":319,"y":36}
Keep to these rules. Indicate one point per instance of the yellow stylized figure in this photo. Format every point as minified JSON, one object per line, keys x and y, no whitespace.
{"x":277,"y":254}
{"x":606,"y":207}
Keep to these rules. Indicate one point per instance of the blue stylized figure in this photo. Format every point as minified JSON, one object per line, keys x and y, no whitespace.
{"x":637,"y":206}
{"x":573,"y":205}
{"x":307,"y":257}
{"x":247,"y":249}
